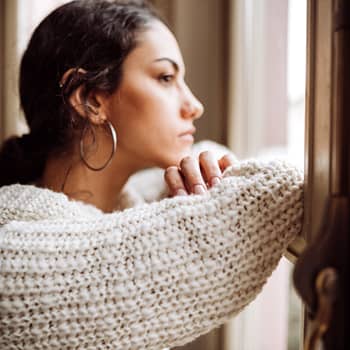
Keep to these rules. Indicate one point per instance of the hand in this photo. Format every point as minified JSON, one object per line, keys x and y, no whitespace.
{"x":193,"y":176}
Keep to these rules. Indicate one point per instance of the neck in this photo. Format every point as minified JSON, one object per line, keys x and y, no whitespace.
{"x":99,"y":188}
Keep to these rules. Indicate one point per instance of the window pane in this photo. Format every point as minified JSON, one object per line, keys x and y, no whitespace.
{"x":268,"y":117}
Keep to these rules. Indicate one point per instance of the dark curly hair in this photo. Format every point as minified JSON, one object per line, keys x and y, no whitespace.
{"x":93,"y":35}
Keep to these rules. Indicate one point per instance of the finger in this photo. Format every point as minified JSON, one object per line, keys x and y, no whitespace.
{"x":192,"y":175}
{"x":173,"y":178}
{"x":210,"y":168}
{"x":226,"y":161}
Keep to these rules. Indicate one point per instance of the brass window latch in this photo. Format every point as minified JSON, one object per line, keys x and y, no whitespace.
{"x":320,"y":278}
{"x":326,"y":291}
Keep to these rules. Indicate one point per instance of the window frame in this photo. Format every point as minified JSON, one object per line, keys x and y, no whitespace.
{"x":2,"y":63}
{"x":10,"y":109}
{"x":320,"y":128}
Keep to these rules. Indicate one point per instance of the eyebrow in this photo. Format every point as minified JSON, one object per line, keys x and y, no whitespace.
{"x":174,"y":64}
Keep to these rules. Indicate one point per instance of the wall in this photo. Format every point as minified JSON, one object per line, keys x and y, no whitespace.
{"x":201,"y":29}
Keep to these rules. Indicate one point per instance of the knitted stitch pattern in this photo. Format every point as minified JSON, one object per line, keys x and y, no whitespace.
{"x":158,"y":275}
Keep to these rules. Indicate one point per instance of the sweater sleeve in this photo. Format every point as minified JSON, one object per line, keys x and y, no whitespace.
{"x":158,"y":275}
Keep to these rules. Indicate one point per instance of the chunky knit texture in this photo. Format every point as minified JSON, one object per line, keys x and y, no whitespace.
{"x":154,"y":276}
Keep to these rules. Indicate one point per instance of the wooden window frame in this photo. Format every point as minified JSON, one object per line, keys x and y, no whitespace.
{"x":9,"y":105}
{"x":2,"y":70}
{"x":321,"y":130}
{"x":318,"y":114}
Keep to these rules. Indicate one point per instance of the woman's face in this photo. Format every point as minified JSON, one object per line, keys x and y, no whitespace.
{"x":153,"y":109}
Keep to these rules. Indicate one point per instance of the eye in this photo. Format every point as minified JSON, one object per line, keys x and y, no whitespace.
{"x":166,"y":78}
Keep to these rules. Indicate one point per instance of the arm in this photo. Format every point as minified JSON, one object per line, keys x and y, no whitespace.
{"x":150,"y":277}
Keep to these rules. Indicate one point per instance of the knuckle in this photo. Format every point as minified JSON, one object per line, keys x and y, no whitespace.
{"x":172,"y":168}
{"x":170,"y":171}
{"x":185,"y":161}
{"x":205,"y":155}
{"x":214,"y":170}
{"x":228,"y":157}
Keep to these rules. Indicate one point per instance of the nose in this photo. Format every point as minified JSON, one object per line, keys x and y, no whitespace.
{"x":191,"y":107}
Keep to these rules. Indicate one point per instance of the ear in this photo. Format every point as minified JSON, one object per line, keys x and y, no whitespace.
{"x":87,"y":107}
{"x":93,"y":106}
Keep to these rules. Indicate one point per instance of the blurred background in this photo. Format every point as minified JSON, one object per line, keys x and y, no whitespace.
{"x":245,"y":60}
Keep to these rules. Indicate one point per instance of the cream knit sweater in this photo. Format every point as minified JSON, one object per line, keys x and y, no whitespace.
{"x":154,"y":276}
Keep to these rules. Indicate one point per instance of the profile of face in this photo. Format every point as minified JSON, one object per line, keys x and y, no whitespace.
{"x":153,"y":109}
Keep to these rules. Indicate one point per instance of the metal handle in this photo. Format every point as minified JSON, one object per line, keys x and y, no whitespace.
{"x":326,"y":290}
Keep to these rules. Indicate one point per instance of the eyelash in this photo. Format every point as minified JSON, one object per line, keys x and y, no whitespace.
{"x":166,"y":78}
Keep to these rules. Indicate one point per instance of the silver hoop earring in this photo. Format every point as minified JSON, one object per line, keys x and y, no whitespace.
{"x":114,"y":147}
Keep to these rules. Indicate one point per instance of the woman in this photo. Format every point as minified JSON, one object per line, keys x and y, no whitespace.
{"x":78,"y":273}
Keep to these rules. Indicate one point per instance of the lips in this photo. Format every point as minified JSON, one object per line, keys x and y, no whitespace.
{"x":187,"y":136}
{"x":188,"y":132}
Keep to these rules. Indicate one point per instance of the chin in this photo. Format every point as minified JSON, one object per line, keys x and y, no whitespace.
{"x":175,"y":159}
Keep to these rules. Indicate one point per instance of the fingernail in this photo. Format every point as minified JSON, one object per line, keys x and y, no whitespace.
{"x":199,"y":189}
{"x":215,"y":181}
{"x":181,"y":192}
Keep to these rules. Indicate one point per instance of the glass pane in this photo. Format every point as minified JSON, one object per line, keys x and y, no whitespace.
{"x":268,"y":117}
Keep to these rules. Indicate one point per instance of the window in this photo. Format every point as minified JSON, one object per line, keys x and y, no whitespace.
{"x":267,"y":120}
{"x":266,"y":111}
{"x":20,"y":17}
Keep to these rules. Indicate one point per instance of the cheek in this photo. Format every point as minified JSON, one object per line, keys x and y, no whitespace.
{"x":147,"y":122}
{"x":151,"y":109}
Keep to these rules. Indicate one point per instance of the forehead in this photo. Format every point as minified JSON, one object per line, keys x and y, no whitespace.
{"x":155,"y":42}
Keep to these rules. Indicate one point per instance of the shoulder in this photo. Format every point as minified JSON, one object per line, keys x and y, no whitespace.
{"x":28,"y":203}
